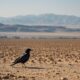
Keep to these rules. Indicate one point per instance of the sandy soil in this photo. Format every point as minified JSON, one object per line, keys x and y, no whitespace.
{"x":54,"y":59}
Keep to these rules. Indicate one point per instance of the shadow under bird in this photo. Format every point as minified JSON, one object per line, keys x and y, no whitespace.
{"x":24,"y":58}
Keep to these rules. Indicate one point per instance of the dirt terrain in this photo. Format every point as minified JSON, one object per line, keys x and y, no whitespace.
{"x":55,"y":59}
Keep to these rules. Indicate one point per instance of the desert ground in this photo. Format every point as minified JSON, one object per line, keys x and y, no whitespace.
{"x":51,"y":59}
{"x":49,"y":35}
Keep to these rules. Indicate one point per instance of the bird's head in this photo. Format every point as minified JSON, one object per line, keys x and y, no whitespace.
{"x":28,"y":50}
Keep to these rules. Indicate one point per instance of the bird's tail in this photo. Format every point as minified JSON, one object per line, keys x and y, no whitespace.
{"x":12,"y":64}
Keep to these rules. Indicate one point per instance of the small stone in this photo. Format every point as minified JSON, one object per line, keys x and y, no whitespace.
{"x":6,"y":77}
{"x":64,"y":78}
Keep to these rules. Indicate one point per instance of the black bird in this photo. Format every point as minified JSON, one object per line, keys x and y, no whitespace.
{"x":24,"y":58}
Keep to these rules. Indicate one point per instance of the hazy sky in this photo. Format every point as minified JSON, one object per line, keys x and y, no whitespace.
{"x":10,"y":8}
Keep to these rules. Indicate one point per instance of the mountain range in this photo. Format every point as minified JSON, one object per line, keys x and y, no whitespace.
{"x":36,"y":28}
{"x":43,"y":19}
{"x":40,"y":23}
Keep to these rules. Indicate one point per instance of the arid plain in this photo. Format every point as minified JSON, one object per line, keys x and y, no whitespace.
{"x":51,"y":59}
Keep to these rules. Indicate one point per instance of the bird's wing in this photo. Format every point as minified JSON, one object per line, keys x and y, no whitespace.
{"x":16,"y":61}
{"x":19,"y":58}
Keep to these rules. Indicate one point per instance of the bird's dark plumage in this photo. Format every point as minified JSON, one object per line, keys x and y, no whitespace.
{"x":23,"y":58}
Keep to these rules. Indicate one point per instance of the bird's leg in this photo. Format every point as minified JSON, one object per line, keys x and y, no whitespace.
{"x":24,"y":65}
